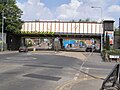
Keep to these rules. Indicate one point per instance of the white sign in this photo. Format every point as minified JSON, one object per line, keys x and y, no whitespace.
{"x":113,"y":56}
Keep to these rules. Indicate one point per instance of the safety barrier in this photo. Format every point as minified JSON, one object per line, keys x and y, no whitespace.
{"x":112,"y":82}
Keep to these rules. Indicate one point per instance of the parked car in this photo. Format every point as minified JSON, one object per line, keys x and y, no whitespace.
{"x":23,"y":49}
{"x":90,"y":48}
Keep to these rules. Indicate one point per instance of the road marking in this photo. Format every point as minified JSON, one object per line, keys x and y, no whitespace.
{"x":96,"y":68}
{"x":20,"y":58}
{"x":76,"y":76}
{"x":87,"y":71}
{"x":84,"y":61}
{"x":86,"y":75}
{"x":68,"y":84}
{"x":81,"y":67}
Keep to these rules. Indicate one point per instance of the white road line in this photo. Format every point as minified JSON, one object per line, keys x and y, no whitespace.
{"x":81,"y":67}
{"x":87,"y":71}
{"x":84,"y":61}
{"x":96,"y":68}
{"x":76,"y":76}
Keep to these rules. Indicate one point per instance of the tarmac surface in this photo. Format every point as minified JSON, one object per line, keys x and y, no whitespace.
{"x":81,"y":81}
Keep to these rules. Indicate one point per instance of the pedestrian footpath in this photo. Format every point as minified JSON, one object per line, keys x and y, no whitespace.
{"x":92,"y":83}
{"x":8,"y":52}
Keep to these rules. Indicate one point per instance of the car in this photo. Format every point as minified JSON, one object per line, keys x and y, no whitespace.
{"x":23,"y":49}
{"x":90,"y":48}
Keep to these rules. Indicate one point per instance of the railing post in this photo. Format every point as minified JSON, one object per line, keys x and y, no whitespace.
{"x":113,"y":78}
{"x":117,"y":73}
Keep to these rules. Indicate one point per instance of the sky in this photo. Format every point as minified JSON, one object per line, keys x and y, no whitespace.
{"x":66,"y":10}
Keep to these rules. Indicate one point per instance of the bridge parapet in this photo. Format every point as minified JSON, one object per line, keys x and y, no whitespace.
{"x":52,"y":27}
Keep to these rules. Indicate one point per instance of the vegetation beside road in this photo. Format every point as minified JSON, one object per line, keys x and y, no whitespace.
{"x":108,"y":51}
{"x":11,"y":14}
{"x":106,"y":54}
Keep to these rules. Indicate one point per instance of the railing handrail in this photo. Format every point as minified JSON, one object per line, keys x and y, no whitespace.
{"x":113,"y":77}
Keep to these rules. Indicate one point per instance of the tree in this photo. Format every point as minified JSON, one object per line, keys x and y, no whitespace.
{"x":117,"y":31}
{"x":80,"y":20}
{"x":87,"y":20}
{"x":12,"y":14}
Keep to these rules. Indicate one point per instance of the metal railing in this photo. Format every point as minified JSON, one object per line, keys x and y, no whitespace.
{"x":112,"y":82}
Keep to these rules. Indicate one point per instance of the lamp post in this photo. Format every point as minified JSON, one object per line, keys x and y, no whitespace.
{"x":119,"y":33}
{"x":3,"y":17}
{"x":2,"y":30}
{"x":101,"y":26}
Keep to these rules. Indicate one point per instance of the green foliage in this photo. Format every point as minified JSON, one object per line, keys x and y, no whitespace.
{"x":86,"y":20}
{"x":117,"y":32}
{"x":113,"y":52}
{"x":13,"y":14}
{"x":33,"y":32}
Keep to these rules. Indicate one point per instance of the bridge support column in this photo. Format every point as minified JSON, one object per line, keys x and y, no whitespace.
{"x":22,"y":41}
{"x":52,"y":43}
{"x":61,"y":43}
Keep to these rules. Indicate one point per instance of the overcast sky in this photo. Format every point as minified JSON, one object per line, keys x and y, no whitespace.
{"x":69,"y":9}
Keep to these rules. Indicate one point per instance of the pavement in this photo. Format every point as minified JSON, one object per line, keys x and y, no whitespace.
{"x":87,"y":83}
{"x":8,"y":52}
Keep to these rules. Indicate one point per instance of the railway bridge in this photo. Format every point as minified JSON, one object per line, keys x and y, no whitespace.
{"x":42,"y":34}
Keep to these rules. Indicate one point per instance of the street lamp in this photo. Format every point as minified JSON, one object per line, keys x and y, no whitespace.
{"x":119,"y":31}
{"x":101,"y":26}
{"x":3,"y":17}
{"x":2,"y":30}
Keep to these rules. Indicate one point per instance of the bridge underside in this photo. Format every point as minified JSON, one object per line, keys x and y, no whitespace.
{"x":63,"y":35}
{"x":15,"y":41}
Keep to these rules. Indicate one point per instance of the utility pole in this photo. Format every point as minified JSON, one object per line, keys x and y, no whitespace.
{"x":101,"y":35}
{"x":3,"y":17}
{"x":2,"y":30}
{"x":119,"y":31}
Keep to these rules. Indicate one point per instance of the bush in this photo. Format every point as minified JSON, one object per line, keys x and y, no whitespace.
{"x":105,"y":53}
{"x":114,"y":52}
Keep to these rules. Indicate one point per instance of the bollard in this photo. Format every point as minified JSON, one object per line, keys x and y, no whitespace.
{"x":34,"y":49}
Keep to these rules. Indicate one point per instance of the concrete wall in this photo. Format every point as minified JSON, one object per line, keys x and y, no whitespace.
{"x":13,"y":41}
